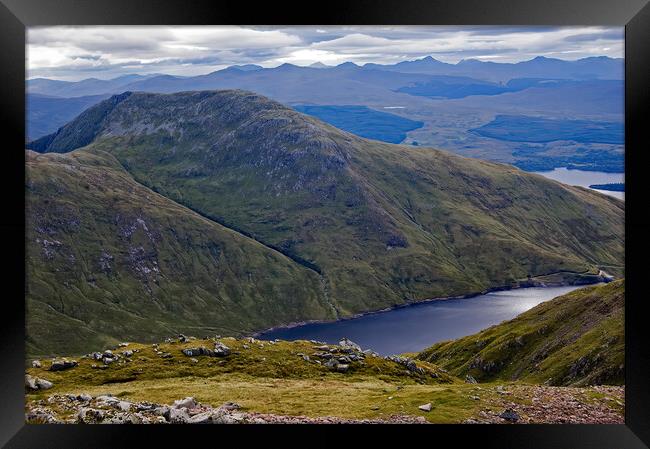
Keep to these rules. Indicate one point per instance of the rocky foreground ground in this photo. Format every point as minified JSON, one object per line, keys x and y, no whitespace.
{"x":548,"y":405}
{"x":84,"y":409}
{"x":191,"y":381}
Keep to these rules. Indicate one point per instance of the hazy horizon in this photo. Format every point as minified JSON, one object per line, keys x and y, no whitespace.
{"x":106,"y":52}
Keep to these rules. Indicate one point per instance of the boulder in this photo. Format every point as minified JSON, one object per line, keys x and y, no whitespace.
{"x":30,"y":382}
{"x":227,"y":418}
{"x":43,"y":384}
{"x":60,"y":365}
{"x":201,"y":418}
{"x":470,"y":379}
{"x":342,"y":368}
{"x":36,"y":364}
{"x":39,"y":416}
{"x":347,"y":343}
{"x":178,"y":416}
{"x":123,"y":405}
{"x":332,"y":364}
{"x":107,"y":400}
{"x":88,"y":415}
{"x":187,"y":403}
{"x":124,"y":418}
{"x":370,"y":352}
{"x":162,"y":411}
{"x":221,"y":350}
{"x":426,"y":407}
{"x":509,"y":415}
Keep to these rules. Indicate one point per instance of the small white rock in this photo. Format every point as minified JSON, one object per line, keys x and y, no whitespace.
{"x":426,"y":407}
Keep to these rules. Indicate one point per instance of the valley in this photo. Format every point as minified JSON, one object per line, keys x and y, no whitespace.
{"x":255,"y":381}
{"x":360,"y":225}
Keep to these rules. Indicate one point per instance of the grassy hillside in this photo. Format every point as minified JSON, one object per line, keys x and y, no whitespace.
{"x":385,"y":224}
{"x":108,"y":259}
{"x":575,"y":339}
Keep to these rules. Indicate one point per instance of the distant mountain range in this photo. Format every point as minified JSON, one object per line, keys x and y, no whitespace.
{"x":225,"y":211}
{"x":500,"y":73}
{"x":423,"y":102}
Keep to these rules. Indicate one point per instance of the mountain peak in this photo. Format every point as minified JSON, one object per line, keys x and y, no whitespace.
{"x":145,"y":114}
{"x":348,"y":64}
{"x":319,"y":65}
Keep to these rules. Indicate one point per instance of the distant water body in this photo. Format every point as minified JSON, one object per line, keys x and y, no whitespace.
{"x":416,"y":327}
{"x":586,"y":178}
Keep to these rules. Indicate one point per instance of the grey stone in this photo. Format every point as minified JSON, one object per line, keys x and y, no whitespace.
{"x":201,"y":418}
{"x":509,"y":415}
{"x":342,"y":368}
{"x":178,"y":416}
{"x":36,"y":364}
{"x":332,"y":364}
{"x":347,"y":343}
{"x":426,"y":407}
{"x":470,"y":379}
{"x":30,"y":382}
{"x":60,"y":365}
{"x":124,"y":406}
{"x":221,"y":350}
{"x":43,"y":384}
{"x":41,"y":417}
{"x":188,"y":403}
{"x":89,"y":415}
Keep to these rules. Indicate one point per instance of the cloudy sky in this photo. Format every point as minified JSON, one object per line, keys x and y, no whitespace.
{"x":74,"y":53}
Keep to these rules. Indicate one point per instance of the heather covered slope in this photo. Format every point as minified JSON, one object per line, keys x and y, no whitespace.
{"x":384,"y":224}
{"x":109,"y":259}
{"x":576,"y":339}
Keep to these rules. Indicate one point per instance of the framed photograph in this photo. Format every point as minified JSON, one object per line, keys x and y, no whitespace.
{"x":368,"y":216}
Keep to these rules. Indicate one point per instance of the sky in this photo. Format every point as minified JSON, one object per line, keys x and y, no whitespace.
{"x":75,"y":53}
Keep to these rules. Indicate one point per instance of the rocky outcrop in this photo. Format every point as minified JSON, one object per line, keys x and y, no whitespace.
{"x":60,"y":365}
{"x":220,"y":350}
{"x":36,"y":383}
{"x":110,"y":410}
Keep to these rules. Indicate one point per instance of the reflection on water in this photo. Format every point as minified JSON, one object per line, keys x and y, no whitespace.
{"x":414,"y":328}
{"x":586,"y":178}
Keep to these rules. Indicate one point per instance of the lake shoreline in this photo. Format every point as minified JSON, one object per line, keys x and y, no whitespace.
{"x":426,"y":301}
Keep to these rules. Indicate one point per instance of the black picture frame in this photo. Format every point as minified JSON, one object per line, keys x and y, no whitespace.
{"x":16,"y":15}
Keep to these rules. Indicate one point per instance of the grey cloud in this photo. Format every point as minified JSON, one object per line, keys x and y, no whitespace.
{"x":73,"y":52}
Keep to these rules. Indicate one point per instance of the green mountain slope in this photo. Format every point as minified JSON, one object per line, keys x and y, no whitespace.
{"x":109,"y":259}
{"x":576,"y":339}
{"x":385,"y":224}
